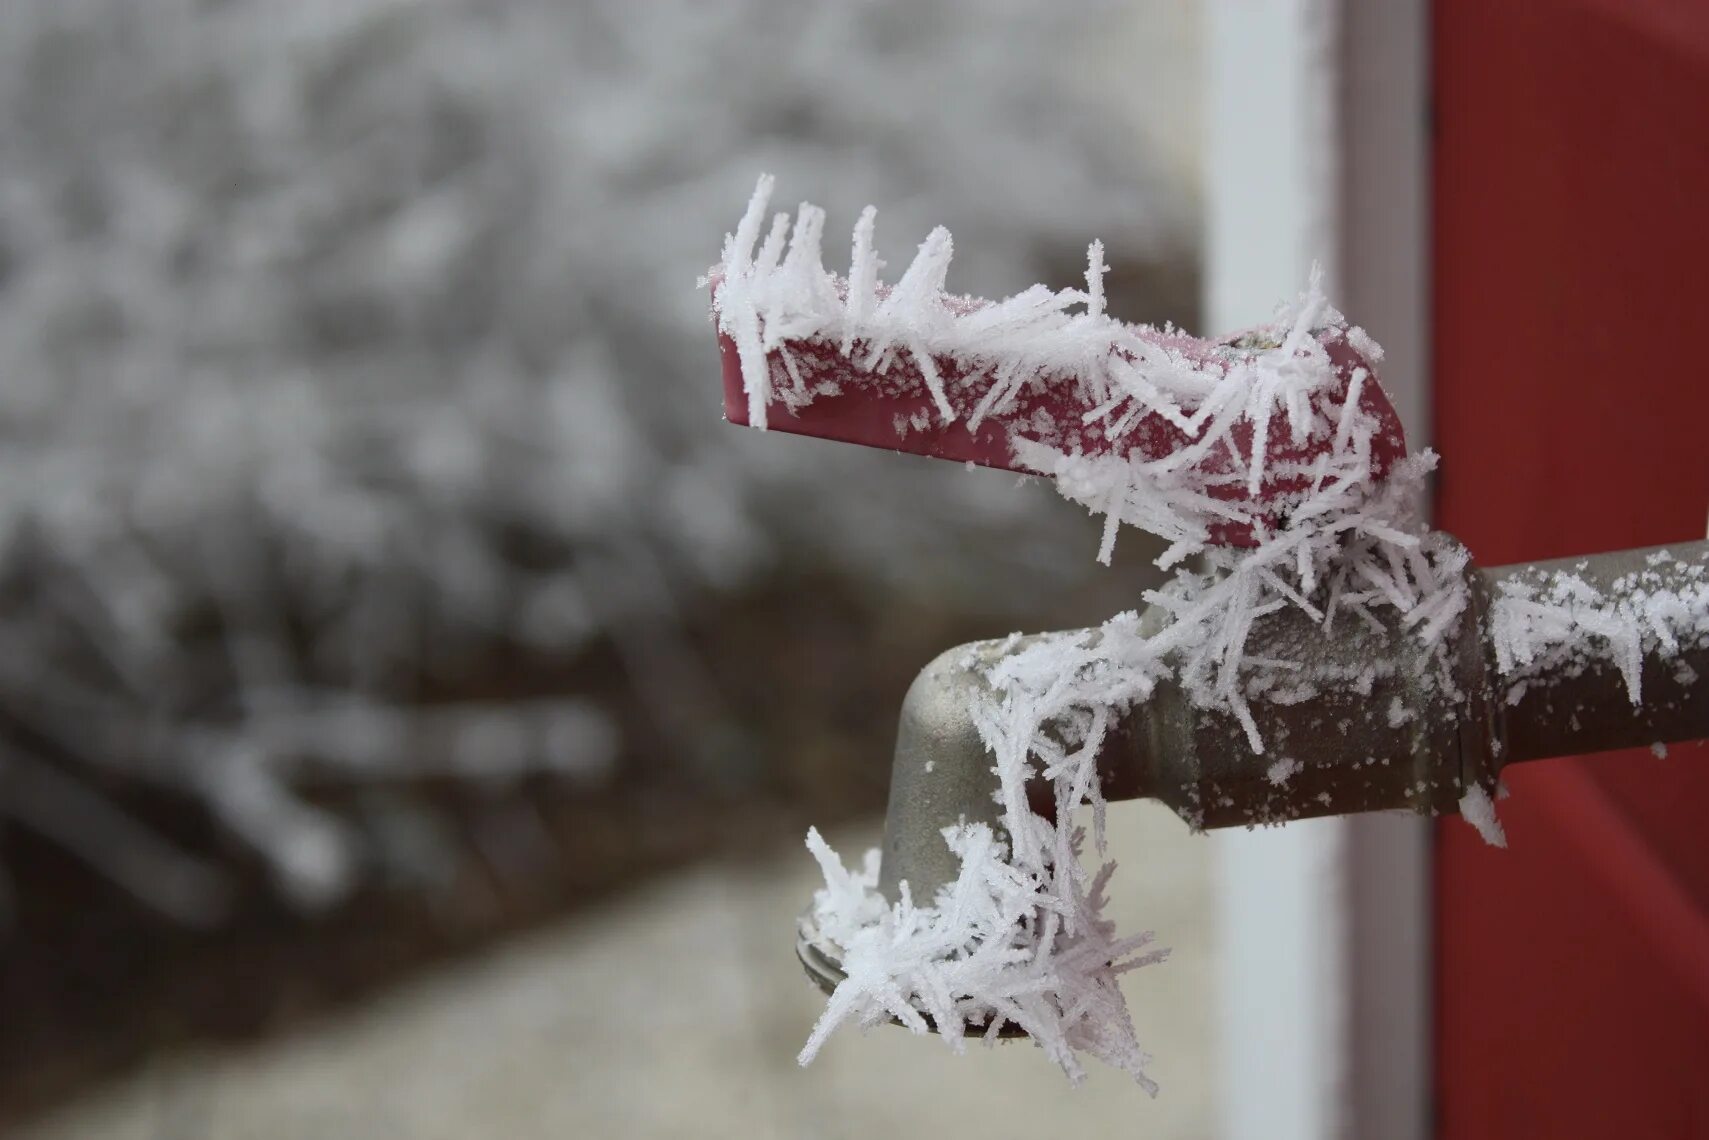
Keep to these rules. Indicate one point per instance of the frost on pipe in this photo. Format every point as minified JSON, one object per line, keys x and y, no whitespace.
{"x":1274,"y":455}
{"x":1602,"y":652}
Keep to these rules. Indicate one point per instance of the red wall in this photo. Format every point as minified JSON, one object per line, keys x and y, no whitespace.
{"x":1571,"y":387}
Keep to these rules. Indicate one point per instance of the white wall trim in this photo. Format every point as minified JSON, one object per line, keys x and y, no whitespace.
{"x":1318,"y":151}
{"x":1271,"y":212}
{"x":1385,"y":228}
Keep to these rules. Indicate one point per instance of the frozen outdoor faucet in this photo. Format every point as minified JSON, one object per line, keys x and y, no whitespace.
{"x":1242,"y":695}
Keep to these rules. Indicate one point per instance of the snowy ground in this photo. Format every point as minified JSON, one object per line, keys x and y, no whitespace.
{"x":678,"y":1012}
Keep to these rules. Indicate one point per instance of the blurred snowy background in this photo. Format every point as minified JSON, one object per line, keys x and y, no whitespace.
{"x":375,"y":572}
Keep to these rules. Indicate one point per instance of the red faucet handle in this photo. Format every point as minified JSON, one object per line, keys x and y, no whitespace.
{"x":819,"y":390}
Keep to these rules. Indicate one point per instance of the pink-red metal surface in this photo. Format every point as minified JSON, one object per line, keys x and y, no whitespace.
{"x":896,"y":412}
{"x":1571,"y":176}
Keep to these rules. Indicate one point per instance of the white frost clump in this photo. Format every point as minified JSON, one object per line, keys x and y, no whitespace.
{"x":1477,"y":809}
{"x":982,"y":955}
{"x":1019,"y":938}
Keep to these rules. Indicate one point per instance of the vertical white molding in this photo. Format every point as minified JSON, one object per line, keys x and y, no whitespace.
{"x":1319,"y":151}
{"x":1385,"y":226}
{"x":1272,"y":210}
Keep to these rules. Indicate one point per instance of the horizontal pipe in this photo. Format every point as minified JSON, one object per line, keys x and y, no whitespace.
{"x":1578,"y":699}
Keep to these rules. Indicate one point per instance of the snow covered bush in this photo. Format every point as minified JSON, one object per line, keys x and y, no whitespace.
{"x":345,"y":342}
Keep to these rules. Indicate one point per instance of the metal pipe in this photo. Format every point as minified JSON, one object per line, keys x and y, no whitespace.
{"x":941,"y":774}
{"x":1387,"y":737}
{"x":1586,"y":706}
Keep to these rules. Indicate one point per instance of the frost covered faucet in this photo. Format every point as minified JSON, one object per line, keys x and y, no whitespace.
{"x":1319,"y":651}
{"x":1387,"y":742}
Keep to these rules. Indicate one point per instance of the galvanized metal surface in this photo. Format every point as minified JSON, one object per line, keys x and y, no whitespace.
{"x":942,"y":773}
{"x":1413,"y":735}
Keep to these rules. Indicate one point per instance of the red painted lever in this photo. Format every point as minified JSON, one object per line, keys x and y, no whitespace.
{"x":837,"y":396}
